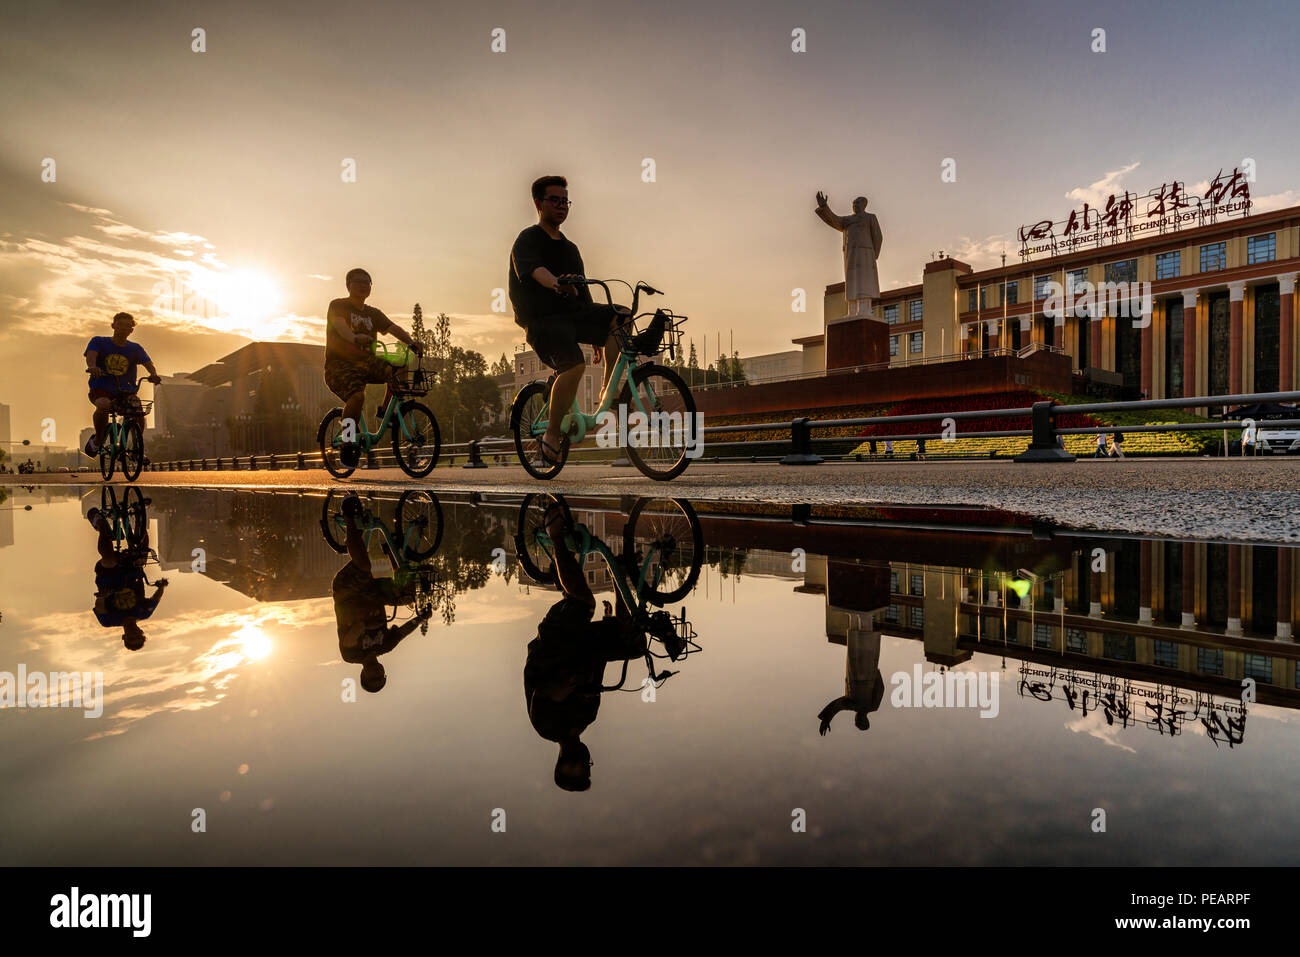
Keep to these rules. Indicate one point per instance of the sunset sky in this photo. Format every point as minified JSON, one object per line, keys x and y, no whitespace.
{"x":218,"y":173}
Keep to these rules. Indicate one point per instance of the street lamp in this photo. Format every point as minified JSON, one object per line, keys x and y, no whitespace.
{"x":212,"y":428}
{"x":245,"y":419}
{"x":290,"y":409}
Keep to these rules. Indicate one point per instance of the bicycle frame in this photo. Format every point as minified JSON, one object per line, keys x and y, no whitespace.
{"x":368,"y":439}
{"x":377,"y":524}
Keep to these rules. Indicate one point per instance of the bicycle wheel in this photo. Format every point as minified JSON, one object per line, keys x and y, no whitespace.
{"x":659,"y":447}
{"x":108,"y":452}
{"x":419,"y":524}
{"x":416,"y":439}
{"x":667,"y":530}
{"x":538,"y":560}
{"x":137,"y":517}
{"x":331,"y":523}
{"x":527,"y":423}
{"x":132,"y":451}
{"x":330,"y":438}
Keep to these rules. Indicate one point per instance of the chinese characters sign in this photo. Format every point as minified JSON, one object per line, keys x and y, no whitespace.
{"x":1128,"y":215}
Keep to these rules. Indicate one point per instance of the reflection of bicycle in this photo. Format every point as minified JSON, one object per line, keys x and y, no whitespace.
{"x":127,"y":522}
{"x":127,"y":518}
{"x":655,"y":391}
{"x":413,"y":537}
{"x":124,"y":441}
{"x":416,"y":439}
{"x":663,"y":552}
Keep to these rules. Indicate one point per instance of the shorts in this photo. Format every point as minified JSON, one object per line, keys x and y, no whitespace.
{"x":121,"y":397}
{"x":556,"y":339}
{"x":346,"y":377}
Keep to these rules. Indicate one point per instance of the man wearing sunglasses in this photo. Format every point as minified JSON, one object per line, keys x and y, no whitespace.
{"x":558,"y":318}
{"x":350,"y":365}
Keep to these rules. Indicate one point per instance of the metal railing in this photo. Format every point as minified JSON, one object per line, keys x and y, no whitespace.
{"x":799,"y":440}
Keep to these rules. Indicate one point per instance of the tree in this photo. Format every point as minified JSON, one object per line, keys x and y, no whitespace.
{"x":502,"y":366}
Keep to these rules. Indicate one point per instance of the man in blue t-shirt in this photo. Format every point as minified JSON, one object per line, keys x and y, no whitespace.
{"x":111,"y":363}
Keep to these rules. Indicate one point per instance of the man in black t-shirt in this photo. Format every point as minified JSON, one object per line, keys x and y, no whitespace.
{"x":557,"y":317}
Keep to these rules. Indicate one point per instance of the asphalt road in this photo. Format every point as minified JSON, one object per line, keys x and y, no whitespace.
{"x":1249,"y":499}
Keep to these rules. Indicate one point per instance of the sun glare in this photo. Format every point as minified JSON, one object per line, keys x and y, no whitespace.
{"x":254,"y":641}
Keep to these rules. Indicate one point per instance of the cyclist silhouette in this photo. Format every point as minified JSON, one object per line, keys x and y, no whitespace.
{"x":359,"y":607}
{"x":120,"y":601}
{"x":566,"y":661}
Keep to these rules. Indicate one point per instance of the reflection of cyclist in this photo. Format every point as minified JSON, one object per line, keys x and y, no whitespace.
{"x":111,"y":364}
{"x":864,"y":687}
{"x":359,"y":600}
{"x":566,"y":661}
{"x":557,"y":317}
{"x":350,"y":327}
{"x":120,"y":601}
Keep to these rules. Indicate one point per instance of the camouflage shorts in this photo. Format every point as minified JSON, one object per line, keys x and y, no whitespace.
{"x":345,"y":377}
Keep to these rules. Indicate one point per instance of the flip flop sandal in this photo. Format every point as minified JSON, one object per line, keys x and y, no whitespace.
{"x":543,"y":447}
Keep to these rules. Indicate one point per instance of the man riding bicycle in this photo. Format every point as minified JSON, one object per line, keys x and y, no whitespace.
{"x":111,"y":363}
{"x":350,"y":328}
{"x":557,"y":316}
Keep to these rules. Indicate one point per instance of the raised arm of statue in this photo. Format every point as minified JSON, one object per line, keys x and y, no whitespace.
{"x":829,"y":218}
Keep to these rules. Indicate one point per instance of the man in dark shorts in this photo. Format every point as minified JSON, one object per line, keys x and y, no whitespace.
{"x":111,"y":363}
{"x":350,"y":327}
{"x":566,"y":662}
{"x":120,"y":601}
{"x":558,"y":317}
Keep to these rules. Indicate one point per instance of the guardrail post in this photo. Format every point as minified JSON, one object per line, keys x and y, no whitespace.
{"x":801,"y":452}
{"x":271,"y":463}
{"x":302,"y":462}
{"x":475,"y":461}
{"x":252,"y":463}
{"x":371,"y":462}
{"x":1044,"y":447}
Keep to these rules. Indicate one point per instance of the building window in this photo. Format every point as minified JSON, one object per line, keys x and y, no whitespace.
{"x":1214,"y":257}
{"x":1119,"y":647}
{"x":893,"y":345}
{"x":1126,"y":270}
{"x":891,"y":614}
{"x":917,"y":615}
{"x":893,"y":583}
{"x":1040,"y":286}
{"x":1075,"y":279}
{"x":1169,"y":265}
{"x":1042,"y":636}
{"x":1076,"y":641}
{"x":891,"y":314}
{"x":917,"y":585}
{"x":1166,"y":654}
{"x":914,"y":311}
{"x":1259,"y":667}
{"x":914,"y":346}
{"x":1209,"y":661}
{"x":970,"y":300}
{"x":1261,"y":249}
{"x":1011,"y":293}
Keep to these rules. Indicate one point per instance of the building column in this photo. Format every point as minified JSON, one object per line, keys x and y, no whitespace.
{"x":1189,"y":343}
{"x":1284,"y":594}
{"x":1234,"y":590}
{"x":995,"y":328}
{"x":1286,"y":339}
{"x":1144,"y":581}
{"x":1094,"y":337}
{"x":1236,"y":297}
{"x":1148,"y":335}
{"x":1189,"y":586}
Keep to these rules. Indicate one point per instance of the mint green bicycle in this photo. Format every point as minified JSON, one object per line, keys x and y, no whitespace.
{"x":655,"y":417}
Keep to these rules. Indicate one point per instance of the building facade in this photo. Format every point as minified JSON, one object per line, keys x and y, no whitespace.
{"x":1223,"y":317}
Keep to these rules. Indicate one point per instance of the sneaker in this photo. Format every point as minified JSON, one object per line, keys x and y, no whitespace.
{"x":350,"y":454}
{"x":91,"y":448}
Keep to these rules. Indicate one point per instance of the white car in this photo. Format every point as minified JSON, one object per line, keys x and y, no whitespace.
{"x":1277,"y":441}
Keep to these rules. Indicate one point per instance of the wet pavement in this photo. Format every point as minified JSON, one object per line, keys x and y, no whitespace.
{"x":435,"y":678}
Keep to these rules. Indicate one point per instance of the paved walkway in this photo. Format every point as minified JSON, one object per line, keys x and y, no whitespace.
{"x":1255,"y":499}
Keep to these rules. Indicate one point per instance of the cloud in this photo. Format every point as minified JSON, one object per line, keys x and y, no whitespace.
{"x":1100,"y":191}
{"x":69,"y":285}
{"x":982,"y":253}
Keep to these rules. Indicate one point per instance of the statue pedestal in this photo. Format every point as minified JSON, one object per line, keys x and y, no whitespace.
{"x":856,"y":341}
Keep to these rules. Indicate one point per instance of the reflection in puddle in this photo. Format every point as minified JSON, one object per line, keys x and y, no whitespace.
{"x":280,"y":657}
